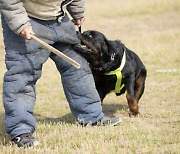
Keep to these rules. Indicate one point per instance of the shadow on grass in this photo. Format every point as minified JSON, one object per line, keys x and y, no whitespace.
{"x":111,"y":109}
{"x":108,"y":109}
{"x":67,"y":118}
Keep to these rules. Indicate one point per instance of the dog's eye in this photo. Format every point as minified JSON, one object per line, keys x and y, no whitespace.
{"x":90,"y":36}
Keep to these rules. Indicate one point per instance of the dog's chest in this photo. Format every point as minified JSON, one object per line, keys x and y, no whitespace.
{"x":105,"y":81}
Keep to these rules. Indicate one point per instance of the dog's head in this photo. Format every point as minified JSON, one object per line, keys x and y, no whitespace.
{"x":102,"y":54}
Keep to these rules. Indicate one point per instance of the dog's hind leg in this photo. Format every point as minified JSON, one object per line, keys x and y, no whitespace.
{"x":139,"y":87}
{"x":140,"y":84}
{"x":130,"y":95}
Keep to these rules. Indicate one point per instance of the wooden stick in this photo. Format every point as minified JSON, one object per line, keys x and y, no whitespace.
{"x":57,"y":52}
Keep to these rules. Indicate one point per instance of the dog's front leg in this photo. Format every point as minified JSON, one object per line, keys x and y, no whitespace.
{"x":130,"y":95}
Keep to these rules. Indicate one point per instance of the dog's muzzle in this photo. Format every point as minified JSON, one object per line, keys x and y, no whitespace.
{"x":86,"y":43}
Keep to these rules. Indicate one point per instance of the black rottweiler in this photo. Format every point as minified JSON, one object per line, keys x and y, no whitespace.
{"x":109,"y":61}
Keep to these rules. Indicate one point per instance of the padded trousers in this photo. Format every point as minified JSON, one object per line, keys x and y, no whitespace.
{"x":24,"y":60}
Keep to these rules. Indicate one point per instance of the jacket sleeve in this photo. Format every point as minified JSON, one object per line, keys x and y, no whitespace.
{"x":14,"y":14}
{"x":76,"y":8}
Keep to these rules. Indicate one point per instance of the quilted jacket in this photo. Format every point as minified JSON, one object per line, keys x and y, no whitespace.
{"x":17,"y":12}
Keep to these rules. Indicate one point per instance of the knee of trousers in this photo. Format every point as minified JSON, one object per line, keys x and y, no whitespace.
{"x":65,"y":67}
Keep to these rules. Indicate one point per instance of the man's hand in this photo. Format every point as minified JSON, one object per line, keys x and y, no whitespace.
{"x":26,"y":32}
{"x":79,"y":21}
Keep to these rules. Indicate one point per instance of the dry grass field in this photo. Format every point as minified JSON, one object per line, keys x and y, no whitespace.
{"x":151,"y":29}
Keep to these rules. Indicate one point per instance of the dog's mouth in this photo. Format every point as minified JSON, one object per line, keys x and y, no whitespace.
{"x":83,"y":48}
{"x":85,"y":45}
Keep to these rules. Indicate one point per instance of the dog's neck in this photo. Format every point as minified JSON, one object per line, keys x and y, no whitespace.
{"x":123,"y":61}
{"x":118,"y":74}
{"x":108,"y":66}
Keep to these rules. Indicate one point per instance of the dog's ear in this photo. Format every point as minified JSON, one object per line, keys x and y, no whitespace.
{"x":114,"y":47}
{"x":116,"y":50}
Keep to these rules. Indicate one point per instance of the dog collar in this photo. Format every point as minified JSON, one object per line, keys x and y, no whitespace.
{"x":117,"y":72}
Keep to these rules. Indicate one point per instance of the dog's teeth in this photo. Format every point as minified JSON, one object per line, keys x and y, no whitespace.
{"x":83,"y":46}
